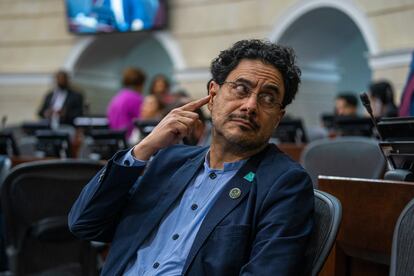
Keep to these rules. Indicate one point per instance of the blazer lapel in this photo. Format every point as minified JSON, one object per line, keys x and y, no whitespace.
{"x":177,"y":184}
{"x":227,"y":201}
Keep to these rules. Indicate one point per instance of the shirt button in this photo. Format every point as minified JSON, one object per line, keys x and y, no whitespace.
{"x":127,"y":163}
{"x":156,"y":265}
{"x":175,"y":236}
{"x":194,"y":207}
{"x":212,"y":175}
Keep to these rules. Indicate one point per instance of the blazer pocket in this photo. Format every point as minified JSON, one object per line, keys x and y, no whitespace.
{"x":226,"y":251}
{"x":231,"y":231}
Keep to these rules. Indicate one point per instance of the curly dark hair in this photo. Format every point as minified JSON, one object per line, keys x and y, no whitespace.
{"x":281,"y":57}
{"x":382,"y":90}
{"x":349,"y":98}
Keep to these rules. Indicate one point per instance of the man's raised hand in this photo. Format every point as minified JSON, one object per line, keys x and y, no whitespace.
{"x":175,"y":126}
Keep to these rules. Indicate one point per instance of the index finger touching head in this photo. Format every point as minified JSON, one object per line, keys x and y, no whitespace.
{"x":194,"y":105}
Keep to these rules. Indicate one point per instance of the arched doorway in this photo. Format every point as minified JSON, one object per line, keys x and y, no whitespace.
{"x":333,"y":51}
{"x":97,"y":64}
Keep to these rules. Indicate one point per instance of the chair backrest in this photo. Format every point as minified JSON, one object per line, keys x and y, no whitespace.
{"x":344,"y":156}
{"x":53,"y":143}
{"x":402,"y":262}
{"x":327,"y":218}
{"x":36,"y":198}
{"x":106,"y":142}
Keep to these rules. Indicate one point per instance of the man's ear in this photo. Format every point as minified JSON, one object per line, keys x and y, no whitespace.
{"x":212,"y":91}
{"x":280,"y":116}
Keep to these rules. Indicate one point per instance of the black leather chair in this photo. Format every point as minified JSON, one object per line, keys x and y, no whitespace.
{"x":344,"y":156}
{"x":102,"y":144}
{"x":36,"y":198}
{"x":328,"y":215}
{"x":402,"y":256}
{"x":5,"y":165}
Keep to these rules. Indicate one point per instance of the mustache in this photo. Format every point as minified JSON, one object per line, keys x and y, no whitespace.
{"x":248,"y":118}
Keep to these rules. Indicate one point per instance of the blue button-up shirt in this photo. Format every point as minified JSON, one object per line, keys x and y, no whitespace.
{"x":166,"y":250}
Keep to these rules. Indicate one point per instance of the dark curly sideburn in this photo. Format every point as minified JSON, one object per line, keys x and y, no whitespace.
{"x":282,"y":58}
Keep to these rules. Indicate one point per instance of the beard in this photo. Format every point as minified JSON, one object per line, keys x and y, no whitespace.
{"x":246,"y":140}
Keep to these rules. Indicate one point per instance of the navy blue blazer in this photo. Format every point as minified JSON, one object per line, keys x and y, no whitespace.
{"x":263,"y":232}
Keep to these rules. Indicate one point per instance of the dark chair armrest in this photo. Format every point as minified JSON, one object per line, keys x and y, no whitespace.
{"x":52,"y":229}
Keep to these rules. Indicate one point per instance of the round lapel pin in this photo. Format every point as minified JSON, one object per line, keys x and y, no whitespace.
{"x":235,"y":193}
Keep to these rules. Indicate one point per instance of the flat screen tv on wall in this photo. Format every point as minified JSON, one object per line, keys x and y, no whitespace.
{"x":107,"y":16}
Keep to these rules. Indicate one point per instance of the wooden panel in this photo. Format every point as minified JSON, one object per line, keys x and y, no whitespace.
{"x":370,"y":209}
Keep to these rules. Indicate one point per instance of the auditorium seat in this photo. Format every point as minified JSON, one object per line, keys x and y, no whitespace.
{"x":328,"y":214}
{"x":36,"y":198}
{"x":343,"y":156}
{"x":402,"y":263}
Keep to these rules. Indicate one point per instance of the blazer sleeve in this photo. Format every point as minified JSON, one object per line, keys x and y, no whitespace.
{"x":283,"y":228}
{"x":45,"y":105}
{"x":73,"y":107}
{"x":96,"y":212}
{"x":78,"y":106}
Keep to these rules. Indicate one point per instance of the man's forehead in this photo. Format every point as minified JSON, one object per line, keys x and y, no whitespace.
{"x":256,"y":68}
{"x":256,"y":71}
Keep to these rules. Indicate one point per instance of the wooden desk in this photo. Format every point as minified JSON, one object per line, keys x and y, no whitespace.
{"x":293,"y":150}
{"x":370,"y":209}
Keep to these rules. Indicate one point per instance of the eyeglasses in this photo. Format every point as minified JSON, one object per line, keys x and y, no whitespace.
{"x":240,"y":90}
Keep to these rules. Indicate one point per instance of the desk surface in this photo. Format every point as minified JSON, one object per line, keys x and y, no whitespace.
{"x":370,"y":209}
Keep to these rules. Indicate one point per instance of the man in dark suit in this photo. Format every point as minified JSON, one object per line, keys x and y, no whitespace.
{"x":62,"y":102}
{"x":237,"y":207}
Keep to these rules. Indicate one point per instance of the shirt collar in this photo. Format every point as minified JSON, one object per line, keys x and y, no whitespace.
{"x":228,"y":166}
{"x":60,"y":91}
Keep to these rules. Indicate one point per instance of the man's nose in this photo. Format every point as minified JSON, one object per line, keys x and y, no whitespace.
{"x":250,"y":103}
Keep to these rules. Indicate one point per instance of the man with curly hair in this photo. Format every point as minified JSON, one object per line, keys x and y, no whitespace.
{"x":237,"y":207}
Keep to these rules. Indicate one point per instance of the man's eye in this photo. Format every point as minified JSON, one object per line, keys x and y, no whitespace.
{"x":268,"y":98}
{"x":241,"y":89}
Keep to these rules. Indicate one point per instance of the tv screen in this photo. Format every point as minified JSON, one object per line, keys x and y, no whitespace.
{"x":106,"y":16}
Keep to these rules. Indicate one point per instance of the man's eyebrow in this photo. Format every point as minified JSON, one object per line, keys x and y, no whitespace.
{"x":245,"y":81}
{"x":272,"y":87}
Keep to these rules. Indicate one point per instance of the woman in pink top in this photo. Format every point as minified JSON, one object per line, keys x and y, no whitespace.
{"x":125,"y":107}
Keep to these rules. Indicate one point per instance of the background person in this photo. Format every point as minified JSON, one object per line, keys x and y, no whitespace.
{"x":62,"y":102}
{"x":160,"y":87}
{"x":125,"y":107}
{"x":152,"y":108}
{"x":381,"y":95}
{"x":346,"y":104}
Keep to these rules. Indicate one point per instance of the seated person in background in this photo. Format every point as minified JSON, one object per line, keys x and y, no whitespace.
{"x":62,"y":103}
{"x":238,"y":207}
{"x":160,"y":87}
{"x":381,"y":95}
{"x":152,"y":109}
{"x":125,"y":107}
{"x":346,"y":104}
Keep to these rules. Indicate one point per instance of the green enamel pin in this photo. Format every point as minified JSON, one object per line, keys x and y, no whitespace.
{"x":249,"y":177}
